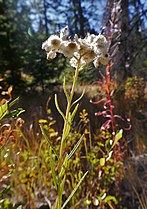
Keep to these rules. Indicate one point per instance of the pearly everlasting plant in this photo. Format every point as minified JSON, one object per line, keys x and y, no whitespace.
{"x":92,"y":48}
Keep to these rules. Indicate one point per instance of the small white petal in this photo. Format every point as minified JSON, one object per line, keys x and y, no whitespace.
{"x":63,"y":32}
{"x":69,"y":48}
{"x":96,"y":62}
{"x":51,"y":55}
{"x":46,"y":47}
{"x":73,"y":62}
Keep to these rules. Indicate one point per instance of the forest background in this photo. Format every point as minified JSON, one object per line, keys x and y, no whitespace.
{"x":25,"y":25}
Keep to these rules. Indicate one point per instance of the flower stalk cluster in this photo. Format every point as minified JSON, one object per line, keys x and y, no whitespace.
{"x":92,"y":48}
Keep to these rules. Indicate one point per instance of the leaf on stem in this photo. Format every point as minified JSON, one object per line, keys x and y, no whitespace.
{"x":48,"y":140}
{"x":74,"y":112}
{"x":68,"y":126}
{"x":58,"y":108}
{"x":79,"y":97}
{"x":74,"y":190}
{"x":52,"y":165}
{"x":75,"y":147}
{"x":64,"y":166}
{"x":65,"y":90}
{"x":62,"y":187}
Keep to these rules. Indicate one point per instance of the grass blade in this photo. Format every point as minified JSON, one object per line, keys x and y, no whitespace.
{"x":74,"y":190}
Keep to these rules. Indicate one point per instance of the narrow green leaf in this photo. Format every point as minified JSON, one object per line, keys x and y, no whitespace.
{"x":79,"y":97}
{"x":52,"y":165}
{"x":58,"y":108}
{"x":3,"y":110}
{"x":74,"y":112}
{"x":13,"y":102}
{"x":65,"y":90}
{"x":117,"y":138}
{"x":75,"y":147}
{"x":47,"y":139}
{"x":68,"y":127}
{"x":74,"y":190}
{"x":62,"y":187}
{"x":64,"y":166}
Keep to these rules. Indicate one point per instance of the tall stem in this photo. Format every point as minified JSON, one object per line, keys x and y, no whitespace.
{"x":64,"y":135}
{"x":66,"y":122}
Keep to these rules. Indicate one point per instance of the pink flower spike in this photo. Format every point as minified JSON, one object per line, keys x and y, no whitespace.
{"x":112,"y":106}
{"x":98,"y":113}
{"x":98,"y":102}
{"x":106,"y":124}
{"x":118,"y":116}
{"x":129,"y":128}
{"x":107,"y":102}
{"x":105,"y":114}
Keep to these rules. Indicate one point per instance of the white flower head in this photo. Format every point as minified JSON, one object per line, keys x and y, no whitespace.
{"x":82,"y":51}
{"x":54,"y":42}
{"x":51,"y":55}
{"x":90,"y":38}
{"x":89,"y":56}
{"x":69,"y":48}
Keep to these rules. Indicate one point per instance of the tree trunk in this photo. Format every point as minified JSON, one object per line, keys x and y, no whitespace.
{"x":116,"y":24}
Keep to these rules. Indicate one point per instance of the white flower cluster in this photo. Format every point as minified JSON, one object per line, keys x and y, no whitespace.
{"x":93,"y":48}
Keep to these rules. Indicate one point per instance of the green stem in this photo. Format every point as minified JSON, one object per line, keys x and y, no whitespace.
{"x":68,"y":110}
{"x":66,"y":123}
